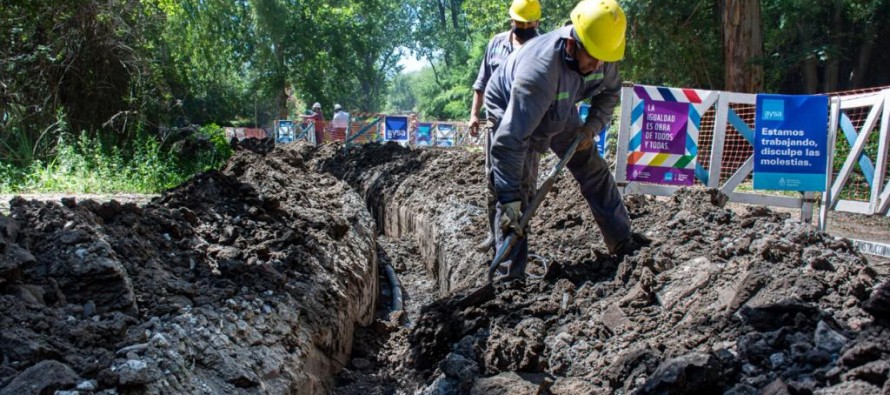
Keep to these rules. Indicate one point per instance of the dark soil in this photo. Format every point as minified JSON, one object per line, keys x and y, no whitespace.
{"x":248,"y":280}
{"x":721,"y":301}
{"x":252,"y":279}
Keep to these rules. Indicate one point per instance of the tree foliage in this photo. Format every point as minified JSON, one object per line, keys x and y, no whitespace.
{"x":204,"y":54}
{"x":117,"y":68}
{"x":84,"y":64}
{"x":674,"y":43}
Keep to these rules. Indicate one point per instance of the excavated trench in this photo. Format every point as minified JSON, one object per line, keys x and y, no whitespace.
{"x":721,"y":302}
{"x":264,"y":278}
{"x":252,"y":279}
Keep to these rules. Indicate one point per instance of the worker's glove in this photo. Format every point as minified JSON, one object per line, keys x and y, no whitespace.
{"x":510,"y":215}
{"x":587,"y":131}
{"x":474,"y":125}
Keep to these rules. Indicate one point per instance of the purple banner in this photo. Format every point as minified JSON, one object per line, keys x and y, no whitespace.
{"x":664,"y":127}
{"x":658,"y":149}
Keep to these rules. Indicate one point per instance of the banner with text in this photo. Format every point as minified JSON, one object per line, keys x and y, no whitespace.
{"x":424,"y":134}
{"x":284,"y":132}
{"x":396,"y":129}
{"x":791,"y":136}
{"x":661,"y":151}
{"x":444,"y":135}
{"x":583,"y":110}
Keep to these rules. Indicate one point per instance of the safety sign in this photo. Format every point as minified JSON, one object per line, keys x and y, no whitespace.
{"x":663,"y":151}
{"x":284,"y":132}
{"x":444,"y":135}
{"x":396,"y":129}
{"x":791,"y":136}
{"x":423,"y":134}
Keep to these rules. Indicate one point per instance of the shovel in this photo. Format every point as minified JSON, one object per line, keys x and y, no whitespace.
{"x":485,"y":293}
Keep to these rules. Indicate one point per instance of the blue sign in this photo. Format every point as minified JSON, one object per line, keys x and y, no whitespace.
{"x":601,"y":139}
{"x":444,"y":135}
{"x":396,"y":129}
{"x":424,"y":134}
{"x":790,"y":142}
{"x":285,"y":132}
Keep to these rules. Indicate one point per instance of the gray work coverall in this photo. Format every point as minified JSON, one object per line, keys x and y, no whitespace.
{"x":496,"y":53}
{"x":531,"y":100}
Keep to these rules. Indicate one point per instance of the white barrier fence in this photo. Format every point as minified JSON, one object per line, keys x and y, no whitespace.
{"x":878,"y":108}
{"x":721,"y":107}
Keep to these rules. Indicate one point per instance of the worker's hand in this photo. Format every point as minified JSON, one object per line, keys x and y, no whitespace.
{"x":474,"y":125}
{"x":511,"y":213}
{"x":587,"y":131}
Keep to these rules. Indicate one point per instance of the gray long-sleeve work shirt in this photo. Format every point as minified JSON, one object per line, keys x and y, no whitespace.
{"x":532,"y":97}
{"x":496,"y":52}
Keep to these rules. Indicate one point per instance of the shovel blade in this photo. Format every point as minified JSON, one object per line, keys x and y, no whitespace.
{"x":478,"y":297}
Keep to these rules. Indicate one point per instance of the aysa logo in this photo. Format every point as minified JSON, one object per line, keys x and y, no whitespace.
{"x":773,"y":110}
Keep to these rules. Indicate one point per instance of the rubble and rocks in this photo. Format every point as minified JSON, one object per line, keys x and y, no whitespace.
{"x":252,"y":280}
{"x":247,"y":280}
{"x":720,"y":302}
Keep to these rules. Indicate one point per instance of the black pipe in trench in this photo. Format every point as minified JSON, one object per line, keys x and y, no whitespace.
{"x":396,"y":288}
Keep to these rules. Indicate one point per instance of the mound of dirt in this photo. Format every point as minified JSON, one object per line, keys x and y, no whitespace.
{"x":719,"y":302}
{"x":254,"y":279}
{"x":248,"y":280}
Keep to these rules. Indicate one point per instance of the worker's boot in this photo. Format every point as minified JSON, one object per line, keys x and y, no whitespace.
{"x":631,"y":245}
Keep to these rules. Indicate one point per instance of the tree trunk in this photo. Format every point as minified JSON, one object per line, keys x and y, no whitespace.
{"x":742,"y":46}
{"x":455,"y":14}
{"x":810,"y":65}
{"x":864,"y":59}
{"x":832,"y":69}
{"x":441,"y":6}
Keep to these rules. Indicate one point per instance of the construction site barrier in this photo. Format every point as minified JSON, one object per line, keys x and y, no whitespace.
{"x":366,"y":131}
{"x":864,"y":155}
{"x":719,"y":149}
{"x":244,"y":133}
{"x":307,"y":132}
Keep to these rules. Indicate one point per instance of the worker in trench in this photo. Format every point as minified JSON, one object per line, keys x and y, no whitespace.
{"x":530,"y":100}
{"x":524,"y":18}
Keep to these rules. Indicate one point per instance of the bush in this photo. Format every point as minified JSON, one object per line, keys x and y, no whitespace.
{"x":88,"y":165}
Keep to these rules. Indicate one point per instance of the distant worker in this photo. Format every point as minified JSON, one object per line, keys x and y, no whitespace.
{"x":531,"y":101}
{"x":524,"y":18}
{"x":339,"y":124}
{"x":412,"y":129}
{"x":318,"y":118}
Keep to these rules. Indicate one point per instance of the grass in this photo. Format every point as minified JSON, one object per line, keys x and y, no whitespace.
{"x":86,"y":165}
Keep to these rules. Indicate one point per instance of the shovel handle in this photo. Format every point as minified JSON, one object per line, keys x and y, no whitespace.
{"x":533,"y":206}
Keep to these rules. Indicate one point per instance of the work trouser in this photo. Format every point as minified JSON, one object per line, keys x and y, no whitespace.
{"x":597,"y":186}
{"x":492,"y":198}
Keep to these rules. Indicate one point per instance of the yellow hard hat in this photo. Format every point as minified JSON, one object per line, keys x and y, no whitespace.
{"x":600,"y":25}
{"x":525,"y":10}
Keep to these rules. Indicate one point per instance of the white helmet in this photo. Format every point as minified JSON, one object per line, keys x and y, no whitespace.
{"x":337,"y":107}
{"x":316,"y":105}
